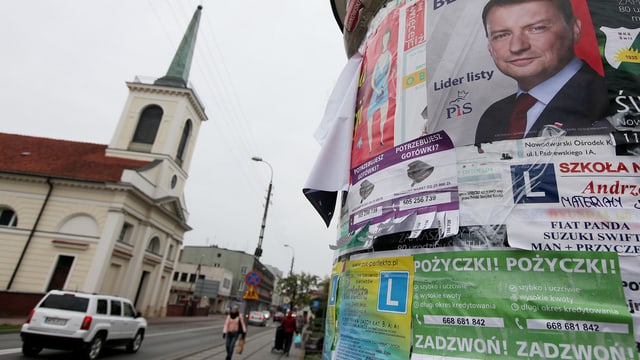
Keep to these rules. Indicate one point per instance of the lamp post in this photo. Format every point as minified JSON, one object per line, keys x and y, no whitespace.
{"x":258,"y":251}
{"x":198,"y":274}
{"x":293,"y":256}
{"x":198,"y":270}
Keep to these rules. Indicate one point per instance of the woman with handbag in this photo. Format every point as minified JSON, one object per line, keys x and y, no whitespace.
{"x":233,"y":327}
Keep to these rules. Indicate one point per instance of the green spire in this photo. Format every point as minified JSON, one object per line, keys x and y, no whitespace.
{"x":178,"y":73}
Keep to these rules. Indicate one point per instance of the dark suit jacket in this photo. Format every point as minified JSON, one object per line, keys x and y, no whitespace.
{"x":580,"y":106}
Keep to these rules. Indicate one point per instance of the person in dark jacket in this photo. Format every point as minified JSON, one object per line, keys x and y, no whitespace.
{"x":290,"y":327}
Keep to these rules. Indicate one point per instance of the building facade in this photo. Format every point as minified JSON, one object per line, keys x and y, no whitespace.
{"x":103,"y":218}
{"x":276,"y":298}
{"x":209,"y":286}
{"x":239,"y":264}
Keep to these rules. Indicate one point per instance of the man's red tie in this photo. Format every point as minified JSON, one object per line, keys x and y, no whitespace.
{"x":518,"y":122}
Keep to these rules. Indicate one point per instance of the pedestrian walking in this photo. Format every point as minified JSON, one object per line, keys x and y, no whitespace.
{"x":290,"y":327}
{"x":233,"y":328}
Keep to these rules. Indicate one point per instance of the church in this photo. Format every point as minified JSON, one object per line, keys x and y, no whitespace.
{"x":103,"y":218}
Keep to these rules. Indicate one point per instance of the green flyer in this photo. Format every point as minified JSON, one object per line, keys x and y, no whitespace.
{"x":520,"y":305}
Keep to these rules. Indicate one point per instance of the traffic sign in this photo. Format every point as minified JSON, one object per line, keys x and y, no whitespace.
{"x":251,"y":294}
{"x":253,"y":278}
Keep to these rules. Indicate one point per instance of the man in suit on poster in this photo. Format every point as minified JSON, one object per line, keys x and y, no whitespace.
{"x":532,"y":41}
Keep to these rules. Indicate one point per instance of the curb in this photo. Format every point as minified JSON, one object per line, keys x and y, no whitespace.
{"x":11,"y":327}
{"x":10,"y":331}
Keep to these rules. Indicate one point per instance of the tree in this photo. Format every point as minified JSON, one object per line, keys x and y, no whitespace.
{"x":324,"y":286}
{"x":298,"y":287}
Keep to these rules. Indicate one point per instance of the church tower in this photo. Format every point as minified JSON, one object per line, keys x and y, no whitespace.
{"x":161,"y":120}
{"x":101,"y":218}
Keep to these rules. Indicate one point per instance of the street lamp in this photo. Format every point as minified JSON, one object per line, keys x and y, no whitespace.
{"x":293,"y":256}
{"x":198,"y":274}
{"x":258,"y":252}
{"x":198,"y":271}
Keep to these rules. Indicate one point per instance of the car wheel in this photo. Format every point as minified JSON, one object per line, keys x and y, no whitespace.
{"x":93,"y":349}
{"x":30,"y":350}
{"x":135,"y":343}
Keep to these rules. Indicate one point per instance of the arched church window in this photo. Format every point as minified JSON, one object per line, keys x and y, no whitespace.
{"x":184,"y":140}
{"x":154,"y":245}
{"x":148,"y":125}
{"x":8,"y":217}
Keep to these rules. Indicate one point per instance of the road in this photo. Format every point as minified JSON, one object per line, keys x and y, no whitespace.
{"x":163,"y":341}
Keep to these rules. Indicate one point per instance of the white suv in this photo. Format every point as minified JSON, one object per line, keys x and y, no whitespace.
{"x":82,"y":322}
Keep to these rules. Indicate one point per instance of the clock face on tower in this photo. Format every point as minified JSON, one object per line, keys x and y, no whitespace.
{"x":174,"y":181}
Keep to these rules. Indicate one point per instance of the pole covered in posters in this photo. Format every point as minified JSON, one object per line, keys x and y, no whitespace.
{"x":449,"y":168}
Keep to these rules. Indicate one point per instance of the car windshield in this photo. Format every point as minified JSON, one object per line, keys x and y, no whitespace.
{"x":66,"y":302}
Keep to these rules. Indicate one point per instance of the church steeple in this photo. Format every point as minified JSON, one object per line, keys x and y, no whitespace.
{"x":178,"y":73}
{"x":161,"y":120}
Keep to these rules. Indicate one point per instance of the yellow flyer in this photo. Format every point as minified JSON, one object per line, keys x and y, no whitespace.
{"x":374,"y":314}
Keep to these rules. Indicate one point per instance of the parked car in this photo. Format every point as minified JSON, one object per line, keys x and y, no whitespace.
{"x":278,"y":316}
{"x":257,"y":318}
{"x":82,"y":322}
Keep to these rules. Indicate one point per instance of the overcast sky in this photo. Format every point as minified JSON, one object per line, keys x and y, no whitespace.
{"x":264,"y":71}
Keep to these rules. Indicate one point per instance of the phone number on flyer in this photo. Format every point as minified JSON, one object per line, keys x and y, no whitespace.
{"x":424,"y":200}
{"x":573,"y":325}
{"x":475,"y":321}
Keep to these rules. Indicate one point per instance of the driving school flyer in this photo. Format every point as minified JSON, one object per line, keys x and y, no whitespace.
{"x":331,"y":322}
{"x":576,"y":181}
{"x":576,"y":204}
{"x":520,"y":305}
{"x":374,"y":315}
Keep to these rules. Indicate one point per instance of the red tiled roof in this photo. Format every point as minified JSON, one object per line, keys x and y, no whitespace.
{"x":61,"y":158}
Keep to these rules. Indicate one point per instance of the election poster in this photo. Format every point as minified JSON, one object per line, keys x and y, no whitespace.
{"x":460,"y":74}
{"x":476,"y":52}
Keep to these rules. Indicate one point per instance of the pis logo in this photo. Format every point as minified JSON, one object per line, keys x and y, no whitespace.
{"x":459,"y":106}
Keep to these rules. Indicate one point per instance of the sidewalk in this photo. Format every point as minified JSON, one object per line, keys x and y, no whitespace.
{"x":256,"y":347}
